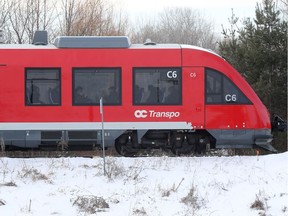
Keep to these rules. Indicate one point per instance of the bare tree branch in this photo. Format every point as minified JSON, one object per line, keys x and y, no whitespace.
{"x":178,"y":25}
{"x":90,"y":17}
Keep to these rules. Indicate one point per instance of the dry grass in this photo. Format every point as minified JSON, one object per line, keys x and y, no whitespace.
{"x":9,"y":184}
{"x":193,"y":201}
{"x":169,"y":191}
{"x":257,"y":204}
{"x":114,"y":169}
{"x":33,"y":174}
{"x":260,"y":203}
{"x":139,"y":212}
{"x":2,"y":202}
{"x":91,"y":204}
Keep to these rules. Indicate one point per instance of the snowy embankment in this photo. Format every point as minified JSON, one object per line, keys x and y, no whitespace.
{"x":239,"y":185}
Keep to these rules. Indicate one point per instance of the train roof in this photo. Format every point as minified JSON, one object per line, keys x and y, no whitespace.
{"x":100,"y":42}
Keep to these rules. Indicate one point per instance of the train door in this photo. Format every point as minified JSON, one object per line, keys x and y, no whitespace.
{"x":193,"y":95}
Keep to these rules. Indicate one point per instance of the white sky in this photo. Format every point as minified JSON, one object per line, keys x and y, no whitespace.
{"x":218,"y":11}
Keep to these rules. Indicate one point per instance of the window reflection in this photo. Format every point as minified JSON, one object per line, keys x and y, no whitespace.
{"x":221,"y":90}
{"x":156,"y":86}
{"x":91,"y":84}
{"x":42,"y":86}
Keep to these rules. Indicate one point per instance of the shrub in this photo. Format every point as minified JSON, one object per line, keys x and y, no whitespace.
{"x":2,"y":202}
{"x":114,"y":169}
{"x":32,"y":173}
{"x":91,"y":204}
{"x":191,"y":199}
{"x":260,"y":203}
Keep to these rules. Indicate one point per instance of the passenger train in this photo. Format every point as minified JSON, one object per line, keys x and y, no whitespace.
{"x":170,"y":96}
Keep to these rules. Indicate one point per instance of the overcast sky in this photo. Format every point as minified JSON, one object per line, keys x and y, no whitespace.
{"x":217,"y":11}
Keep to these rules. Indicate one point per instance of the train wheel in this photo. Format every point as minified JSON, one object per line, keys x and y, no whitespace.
{"x":124,"y":146}
{"x":183,"y":147}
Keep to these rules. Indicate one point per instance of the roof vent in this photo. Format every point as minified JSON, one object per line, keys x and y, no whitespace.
{"x":149,"y":42}
{"x":92,"y":42}
{"x":40,"y":38}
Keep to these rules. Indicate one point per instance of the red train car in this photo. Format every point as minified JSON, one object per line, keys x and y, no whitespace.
{"x":173,"y":96}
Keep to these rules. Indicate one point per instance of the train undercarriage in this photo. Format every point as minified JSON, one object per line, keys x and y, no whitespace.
{"x":178,"y":142}
{"x":127,"y":143}
{"x":131,"y":143}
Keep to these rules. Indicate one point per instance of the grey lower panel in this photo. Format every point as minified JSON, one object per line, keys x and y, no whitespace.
{"x":33,"y":138}
{"x":20,"y":138}
{"x":242,"y":138}
{"x":109,"y":137}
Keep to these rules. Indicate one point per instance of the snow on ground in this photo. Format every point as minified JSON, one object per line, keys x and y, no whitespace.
{"x":215,"y":186}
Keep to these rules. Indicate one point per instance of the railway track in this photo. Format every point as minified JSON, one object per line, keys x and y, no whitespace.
{"x":55,"y":154}
{"x":80,"y":153}
{"x":113,"y":153}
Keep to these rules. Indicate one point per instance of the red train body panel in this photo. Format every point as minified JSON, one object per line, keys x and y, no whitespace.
{"x":192,"y":67}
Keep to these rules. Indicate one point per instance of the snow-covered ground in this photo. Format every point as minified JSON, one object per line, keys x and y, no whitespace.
{"x":239,"y":185}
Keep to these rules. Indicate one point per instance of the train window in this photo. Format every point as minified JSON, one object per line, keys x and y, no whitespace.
{"x":91,"y":84}
{"x":42,"y":86}
{"x":221,"y":90}
{"x":157,"y":86}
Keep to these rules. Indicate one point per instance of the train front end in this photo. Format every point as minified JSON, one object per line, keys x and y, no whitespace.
{"x":234,"y":115}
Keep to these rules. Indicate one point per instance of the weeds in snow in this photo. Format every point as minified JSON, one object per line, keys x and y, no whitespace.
{"x":139,"y":212}
{"x":5,"y":172}
{"x":257,"y":204}
{"x":114,"y":169}
{"x":134,"y":172}
{"x":260,"y":203}
{"x":193,"y":201}
{"x":173,"y":189}
{"x":9,"y":184}
{"x":27,"y":209}
{"x":33,"y":174}
{"x":4,"y":168}
{"x":2,"y":202}
{"x":90,"y":204}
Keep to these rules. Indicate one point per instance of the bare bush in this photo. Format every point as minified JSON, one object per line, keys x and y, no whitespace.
{"x":2,"y":202}
{"x":169,"y":191}
{"x":192,"y":200}
{"x":134,"y":172}
{"x":257,"y":204}
{"x":90,"y":204}
{"x":4,"y":168}
{"x":9,"y":184}
{"x":139,"y":212}
{"x":260,"y":202}
{"x":33,"y":174}
{"x":114,"y":169}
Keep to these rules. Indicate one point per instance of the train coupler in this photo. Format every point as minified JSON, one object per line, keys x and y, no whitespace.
{"x":264,"y":142}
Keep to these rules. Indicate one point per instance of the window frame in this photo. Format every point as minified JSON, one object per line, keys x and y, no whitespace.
{"x":223,"y":77}
{"x":58,"y":72}
{"x":118,"y":70}
{"x":180,"y":89}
